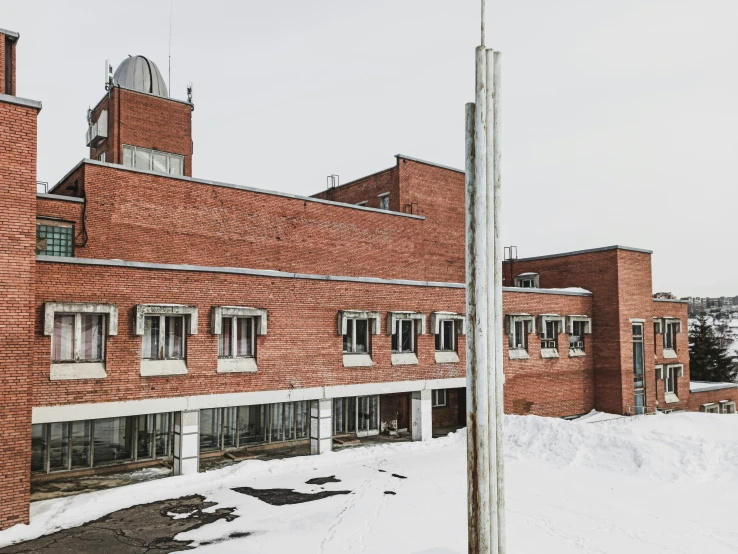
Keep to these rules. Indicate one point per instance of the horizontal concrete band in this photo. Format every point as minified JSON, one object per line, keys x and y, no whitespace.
{"x":233,"y":186}
{"x":577,"y":252}
{"x":671,"y":300}
{"x":287,"y":275}
{"x":245,"y":271}
{"x":77,"y":412}
{"x":18,"y":101}
{"x":59,"y":197}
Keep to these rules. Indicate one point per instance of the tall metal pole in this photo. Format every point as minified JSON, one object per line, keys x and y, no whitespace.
{"x":485,"y":376}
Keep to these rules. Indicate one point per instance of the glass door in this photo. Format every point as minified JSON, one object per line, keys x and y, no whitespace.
{"x":367,"y":416}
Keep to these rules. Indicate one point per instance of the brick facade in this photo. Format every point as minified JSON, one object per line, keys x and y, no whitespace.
{"x":152,"y":238}
{"x":17,"y":261}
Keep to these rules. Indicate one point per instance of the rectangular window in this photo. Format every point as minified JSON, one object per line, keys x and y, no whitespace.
{"x":78,"y":338}
{"x":54,"y":239}
{"x":670,"y":335}
{"x":637,"y":348}
{"x":101,"y":157}
{"x":550,"y":334}
{"x":163,"y":338}
{"x":356,"y":339}
{"x":639,"y":390}
{"x":670,"y":382}
{"x":446,"y":338}
{"x":153,"y":160}
{"x":403,"y":340}
{"x":438,"y":398}
{"x":518,"y":338}
{"x":113,"y":440}
{"x":384,"y":201}
{"x":237,"y":337}
{"x":576,"y":339}
{"x":527,"y":283}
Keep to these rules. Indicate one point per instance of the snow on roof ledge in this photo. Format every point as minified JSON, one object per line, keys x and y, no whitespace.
{"x":704,"y":386}
{"x":570,"y":291}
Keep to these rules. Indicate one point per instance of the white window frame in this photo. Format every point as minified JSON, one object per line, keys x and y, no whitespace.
{"x":171,"y":366}
{"x":511,"y":320}
{"x":78,"y":369}
{"x":669,"y":324}
{"x":530,"y":280}
{"x":395,"y":320}
{"x":435,"y":398}
{"x":550,"y":345}
{"x":727,"y":407}
{"x":711,"y":408}
{"x":442,"y":336}
{"x":384,"y":199}
{"x":77,"y":338}
{"x":437,"y":319}
{"x":576,"y":348}
{"x":239,"y":364}
{"x":162,"y":337}
{"x":132,"y":149}
{"x":352,"y":332}
{"x":351,"y":359}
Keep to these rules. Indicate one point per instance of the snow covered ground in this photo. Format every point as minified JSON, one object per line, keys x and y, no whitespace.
{"x":656,"y":484}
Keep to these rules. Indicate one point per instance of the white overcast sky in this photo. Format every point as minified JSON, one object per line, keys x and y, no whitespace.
{"x":620,"y":117}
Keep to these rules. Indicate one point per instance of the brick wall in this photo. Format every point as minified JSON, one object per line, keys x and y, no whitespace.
{"x":437,"y":193}
{"x":448,"y":415}
{"x":13,"y":44}
{"x":678,"y":310}
{"x":555,"y":387}
{"x":135,"y":216}
{"x":696,"y":399}
{"x":17,"y":247}
{"x":144,"y":120}
{"x":302,"y":348}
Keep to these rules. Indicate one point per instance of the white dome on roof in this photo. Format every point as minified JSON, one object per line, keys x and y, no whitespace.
{"x":140,"y":74}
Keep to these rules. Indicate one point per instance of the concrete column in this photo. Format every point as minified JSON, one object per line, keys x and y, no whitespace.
{"x":422,"y":415}
{"x":321,"y":426}
{"x":186,"y":442}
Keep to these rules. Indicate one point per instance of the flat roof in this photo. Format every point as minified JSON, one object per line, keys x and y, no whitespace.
{"x":28,"y":103}
{"x":234,"y":186}
{"x":588,"y":251}
{"x":12,"y":34}
{"x":403,"y":157}
{"x":670,"y":300}
{"x":704,"y":386}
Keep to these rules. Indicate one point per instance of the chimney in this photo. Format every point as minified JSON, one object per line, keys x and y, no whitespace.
{"x":8,"y":41}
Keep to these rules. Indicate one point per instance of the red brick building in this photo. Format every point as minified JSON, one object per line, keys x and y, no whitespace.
{"x":167,"y":317}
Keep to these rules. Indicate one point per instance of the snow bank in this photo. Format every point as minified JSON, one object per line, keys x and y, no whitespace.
{"x":584,"y":486}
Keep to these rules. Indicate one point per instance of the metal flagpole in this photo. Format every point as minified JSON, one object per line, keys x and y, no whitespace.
{"x":485,"y":376}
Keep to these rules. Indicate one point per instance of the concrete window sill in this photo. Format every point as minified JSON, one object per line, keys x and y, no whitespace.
{"x":404,"y":358}
{"x":357,"y":360}
{"x":576,"y":353}
{"x":670,"y":398}
{"x":154,"y":368}
{"x":447,"y":357}
{"x":80,"y":370}
{"x":669,"y":353}
{"x":518,"y":354}
{"x":236,"y":365}
{"x":549,"y":353}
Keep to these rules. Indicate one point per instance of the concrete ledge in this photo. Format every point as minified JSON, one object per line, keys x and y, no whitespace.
{"x":671,"y":398}
{"x":25,"y":102}
{"x":60,"y":197}
{"x":670,"y":354}
{"x":236,"y":365}
{"x":549,"y":353}
{"x":447,"y":357}
{"x":357,"y":360}
{"x":404,"y":358}
{"x":154,"y":368}
{"x":96,"y":410}
{"x":244,"y":271}
{"x":518,"y":354}
{"x":576,"y":353}
{"x":80,"y":370}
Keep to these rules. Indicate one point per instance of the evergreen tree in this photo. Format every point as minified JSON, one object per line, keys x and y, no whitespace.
{"x":709,"y":357}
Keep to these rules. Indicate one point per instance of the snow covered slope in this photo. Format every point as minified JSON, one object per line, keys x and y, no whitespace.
{"x":657,"y":484}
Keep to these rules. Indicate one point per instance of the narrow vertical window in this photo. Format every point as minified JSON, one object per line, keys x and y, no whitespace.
{"x":151,"y":338}
{"x":63,"y":338}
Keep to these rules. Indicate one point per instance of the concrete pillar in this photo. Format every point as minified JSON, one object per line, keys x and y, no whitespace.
{"x":422,"y":415}
{"x":321,"y":426}
{"x":186,"y":442}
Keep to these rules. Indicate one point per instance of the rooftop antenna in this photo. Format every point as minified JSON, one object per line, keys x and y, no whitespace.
{"x":170,"y":46}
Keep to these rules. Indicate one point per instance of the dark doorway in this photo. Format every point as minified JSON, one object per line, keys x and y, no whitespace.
{"x":403,"y":412}
{"x":462,"y":406}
